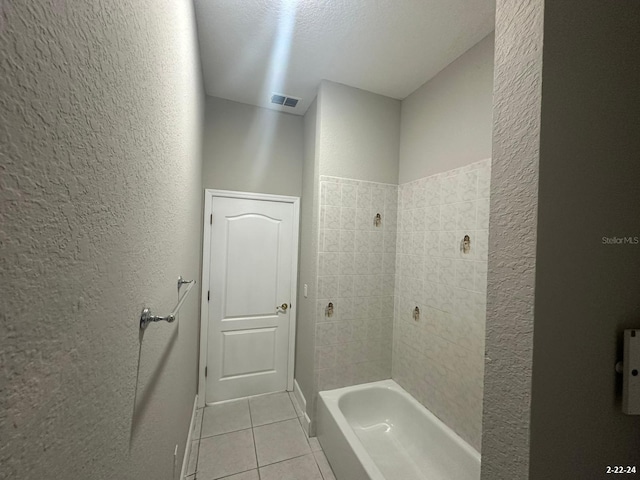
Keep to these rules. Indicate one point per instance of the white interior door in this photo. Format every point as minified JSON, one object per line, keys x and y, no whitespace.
{"x":252,"y":251}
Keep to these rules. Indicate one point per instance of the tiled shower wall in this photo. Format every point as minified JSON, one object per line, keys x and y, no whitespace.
{"x":439,"y":357}
{"x":356,"y":273}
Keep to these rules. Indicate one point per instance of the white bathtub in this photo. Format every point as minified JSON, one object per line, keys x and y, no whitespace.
{"x":377,"y":431}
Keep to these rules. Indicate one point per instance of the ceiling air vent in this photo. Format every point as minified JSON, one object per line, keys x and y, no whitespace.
{"x":284,"y":100}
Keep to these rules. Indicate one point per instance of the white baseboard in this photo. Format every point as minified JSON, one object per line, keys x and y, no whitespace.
{"x":187,"y":448}
{"x":306,"y":424}
{"x":305,"y":420}
{"x":299,"y":396}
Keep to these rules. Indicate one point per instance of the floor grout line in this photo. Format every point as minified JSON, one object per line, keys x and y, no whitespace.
{"x":247,"y":428}
{"x":286,"y":460}
{"x":255,"y":447}
{"x":253,"y":434}
{"x":198,"y":446}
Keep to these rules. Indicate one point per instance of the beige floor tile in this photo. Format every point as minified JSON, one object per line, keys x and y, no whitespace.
{"x":250,"y":475}
{"x":225,"y":418}
{"x":280,"y":441}
{"x":226,"y":454}
{"x":271,"y":408}
{"x":300,"y":468}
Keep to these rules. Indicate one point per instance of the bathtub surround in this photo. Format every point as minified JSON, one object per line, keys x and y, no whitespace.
{"x":350,"y":134}
{"x":355,"y":284}
{"x":355,"y":135}
{"x":439,"y":358}
{"x":100,"y":121}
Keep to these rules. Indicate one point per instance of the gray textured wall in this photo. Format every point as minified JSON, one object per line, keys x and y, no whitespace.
{"x":307,"y":273}
{"x":586,"y":292}
{"x":251,"y":149}
{"x":100,"y":120}
{"x":446,"y":123}
{"x":359,"y":134}
{"x":512,"y":240}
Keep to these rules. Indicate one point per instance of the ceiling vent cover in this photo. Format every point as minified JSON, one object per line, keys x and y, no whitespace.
{"x":284,"y":100}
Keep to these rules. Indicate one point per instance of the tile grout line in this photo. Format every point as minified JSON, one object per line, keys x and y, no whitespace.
{"x":253,"y":435}
{"x":318,"y":465}
{"x":287,"y":459}
{"x":247,"y":428}
{"x":199,"y":438}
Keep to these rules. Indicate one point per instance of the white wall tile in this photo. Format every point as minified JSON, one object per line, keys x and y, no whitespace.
{"x":346,"y":263}
{"x":364,"y":218}
{"x":347,"y":240}
{"x":349,"y":195}
{"x":467,"y":186}
{"x":331,"y":217}
{"x":465,"y":274}
{"x":482,"y":220}
{"x":449,"y":189}
{"x":432,"y":218}
{"x":345,"y":286}
{"x":433,"y":186}
{"x":331,"y":264}
{"x":439,"y":359}
{"x":331,"y":241}
{"x":361,"y":264}
{"x":480,"y":277}
{"x":449,"y":217}
{"x":347,"y":218}
{"x":466,"y":216}
{"x":364,"y":195}
{"x":484,"y":182}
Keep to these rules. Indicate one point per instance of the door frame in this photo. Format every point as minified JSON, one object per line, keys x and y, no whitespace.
{"x":209,"y":194}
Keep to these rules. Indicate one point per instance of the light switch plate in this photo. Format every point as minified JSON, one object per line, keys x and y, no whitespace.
{"x":306,"y":291}
{"x":631,"y":373}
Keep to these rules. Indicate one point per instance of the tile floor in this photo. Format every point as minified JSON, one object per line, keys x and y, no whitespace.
{"x":260,"y":438}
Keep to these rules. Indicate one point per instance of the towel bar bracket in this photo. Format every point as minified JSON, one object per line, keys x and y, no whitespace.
{"x":146,"y":317}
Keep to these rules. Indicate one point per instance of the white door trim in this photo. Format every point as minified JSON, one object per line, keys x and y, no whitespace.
{"x":206,"y":263}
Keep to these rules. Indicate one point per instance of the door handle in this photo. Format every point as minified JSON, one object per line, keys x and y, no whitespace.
{"x":283,"y":307}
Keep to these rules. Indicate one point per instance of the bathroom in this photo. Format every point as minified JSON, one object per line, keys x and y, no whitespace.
{"x":429,"y":201}
{"x":383,"y":183}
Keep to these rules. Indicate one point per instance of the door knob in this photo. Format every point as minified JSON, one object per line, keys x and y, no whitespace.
{"x":284,"y":307}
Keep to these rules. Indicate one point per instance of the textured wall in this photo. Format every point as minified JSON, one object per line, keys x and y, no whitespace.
{"x":512,"y":240}
{"x":587,"y":292}
{"x":439,"y":357}
{"x":307,"y":273}
{"x":100,"y":118}
{"x":251,"y":149}
{"x":356,"y":266}
{"x":359,"y":134}
{"x":446,"y":123}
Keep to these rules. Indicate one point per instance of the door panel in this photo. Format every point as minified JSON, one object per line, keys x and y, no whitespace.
{"x":250,"y":277}
{"x":252,"y":264}
{"x":260,"y":341}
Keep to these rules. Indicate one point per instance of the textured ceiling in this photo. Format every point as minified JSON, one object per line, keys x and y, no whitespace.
{"x":251,"y":48}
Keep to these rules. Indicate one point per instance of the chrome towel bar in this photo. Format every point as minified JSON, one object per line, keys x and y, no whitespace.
{"x":146,"y":317}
